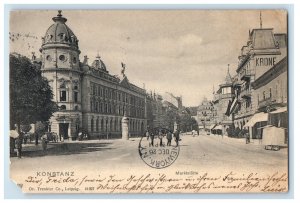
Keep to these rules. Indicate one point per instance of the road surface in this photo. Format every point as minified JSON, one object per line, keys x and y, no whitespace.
{"x":205,"y":153}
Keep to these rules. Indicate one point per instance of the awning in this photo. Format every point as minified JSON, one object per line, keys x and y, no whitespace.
{"x":218,"y":127}
{"x":279,"y":110}
{"x":212,"y":126}
{"x":13,"y":134}
{"x":258,"y":117}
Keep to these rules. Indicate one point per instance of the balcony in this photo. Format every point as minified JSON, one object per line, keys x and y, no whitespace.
{"x":246,"y":94}
{"x":266,"y":102}
{"x":218,"y":97}
{"x":246,"y":74}
{"x":237,"y":84}
{"x":244,"y":112}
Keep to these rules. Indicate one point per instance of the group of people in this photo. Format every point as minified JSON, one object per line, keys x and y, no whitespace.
{"x":160,"y":134}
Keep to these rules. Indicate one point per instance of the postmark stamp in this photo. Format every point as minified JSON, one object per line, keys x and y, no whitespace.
{"x":156,"y":151}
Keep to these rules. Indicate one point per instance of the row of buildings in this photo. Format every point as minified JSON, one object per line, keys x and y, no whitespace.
{"x":89,"y":97}
{"x":256,"y":97}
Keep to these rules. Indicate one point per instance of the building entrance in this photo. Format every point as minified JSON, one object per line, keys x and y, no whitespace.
{"x":63,"y":130}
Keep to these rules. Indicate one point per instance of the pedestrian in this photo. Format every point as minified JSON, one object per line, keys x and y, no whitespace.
{"x":160,"y":137}
{"x":148,"y":136}
{"x":176,"y":135}
{"x":152,"y":138}
{"x":19,"y":146}
{"x":247,"y":136}
{"x":44,"y":142}
{"x":169,"y":138}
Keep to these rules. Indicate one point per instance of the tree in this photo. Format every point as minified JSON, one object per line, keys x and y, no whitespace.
{"x":30,"y":93}
{"x":188,"y":123}
{"x":170,"y":116}
{"x":25,"y":128}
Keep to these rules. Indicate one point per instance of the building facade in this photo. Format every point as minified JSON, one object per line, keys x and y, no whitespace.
{"x":222,"y":98}
{"x":89,"y":98}
{"x":263,"y":50}
{"x":205,"y":115}
{"x":271,"y":98}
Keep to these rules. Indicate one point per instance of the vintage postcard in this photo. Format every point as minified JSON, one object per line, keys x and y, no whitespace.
{"x":149,"y":101}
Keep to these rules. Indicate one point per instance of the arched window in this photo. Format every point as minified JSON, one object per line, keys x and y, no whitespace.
{"x":111,"y":125}
{"x":76,"y":108}
{"x":63,"y":107}
{"x":75,"y":92}
{"x":142,"y":126}
{"x":106,"y":108}
{"x":63,"y":92}
{"x":116,"y":124}
{"x":102,"y":125}
{"x":92,"y":125}
{"x":101,"y":107}
{"x":270,"y":92}
{"x":97,"y":125}
{"x":96,"y":107}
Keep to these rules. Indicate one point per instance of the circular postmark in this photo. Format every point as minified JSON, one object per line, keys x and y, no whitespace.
{"x":157,"y":152}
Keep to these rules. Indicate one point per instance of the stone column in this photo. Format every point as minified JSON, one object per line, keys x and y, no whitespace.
{"x":125,"y":129}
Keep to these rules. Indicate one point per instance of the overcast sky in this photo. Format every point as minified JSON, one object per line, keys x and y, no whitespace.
{"x":185,"y":52}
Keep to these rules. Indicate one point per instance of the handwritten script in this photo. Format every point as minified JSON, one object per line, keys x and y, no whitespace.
{"x":158,"y":183}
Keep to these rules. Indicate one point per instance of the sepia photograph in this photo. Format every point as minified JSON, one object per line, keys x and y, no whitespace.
{"x":149,"y":101}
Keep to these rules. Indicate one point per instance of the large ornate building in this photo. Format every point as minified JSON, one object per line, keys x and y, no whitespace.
{"x":205,"y":115}
{"x":258,"y":62}
{"x":89,"y":98}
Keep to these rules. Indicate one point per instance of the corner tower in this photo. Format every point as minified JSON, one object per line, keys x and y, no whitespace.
{"x":61,"y":67}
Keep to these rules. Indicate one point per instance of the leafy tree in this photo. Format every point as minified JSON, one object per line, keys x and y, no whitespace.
{"x":25,"y":128}
{"x":187,"y":123}
{"x":170,"y":116}
{"x":30,"y":93}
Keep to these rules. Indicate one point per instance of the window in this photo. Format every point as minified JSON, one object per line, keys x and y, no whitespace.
{"x":101,"y":108}
{"x":49,"y":58}
{"x":63,"y":95}
{"x":96,"y":106}
{"x":92,"y":125}
{"x":97,"y":125}
{"x":94,"y":90}
{"x":62,"y":57}
{"x":75,"y":96}
{"x":76,"y":108}
{"x":63,"y":107}
{"x":270,"y":92}
{"x":102,"y":125}
{"x":106,"y":93}
{"x":74,"y":60}
{"x":264,"y":95}
{"x":101,"y":92}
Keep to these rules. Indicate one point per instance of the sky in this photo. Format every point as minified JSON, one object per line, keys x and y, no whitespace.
{"x":185,"y":52}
